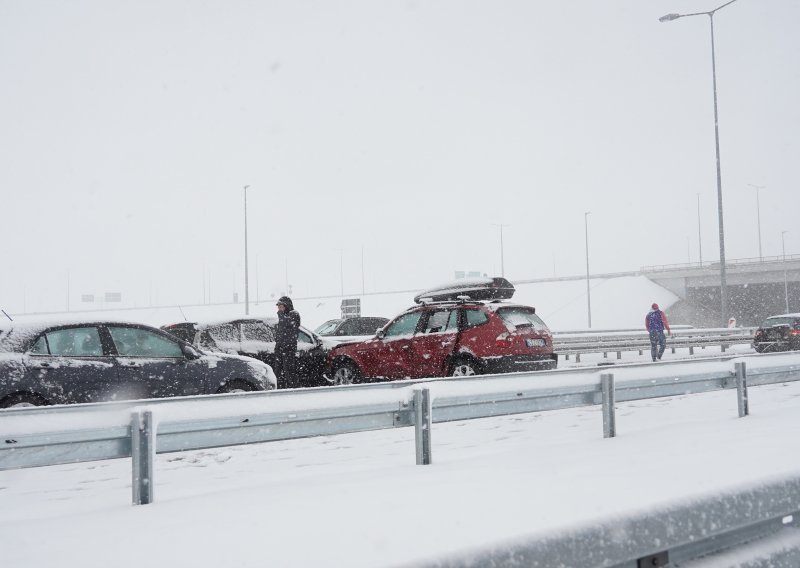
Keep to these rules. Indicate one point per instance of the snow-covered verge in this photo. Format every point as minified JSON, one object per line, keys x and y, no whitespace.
{"x":360,"y":500}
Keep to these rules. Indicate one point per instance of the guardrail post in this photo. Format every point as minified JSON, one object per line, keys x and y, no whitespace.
{"x":741,"y":389}
{"x":609,"y":416}
{"x":143,"y":454}
{"x":422,"y":425}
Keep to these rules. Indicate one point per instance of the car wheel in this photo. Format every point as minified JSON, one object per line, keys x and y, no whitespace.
{"x":235,"y":386}
{"x":22,"y":400}
{"x":346,"y":373}
{"x":464,"y":367}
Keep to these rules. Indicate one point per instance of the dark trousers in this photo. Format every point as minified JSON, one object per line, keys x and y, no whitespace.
{"x":285,"y":369}
{"x":657,"y":344}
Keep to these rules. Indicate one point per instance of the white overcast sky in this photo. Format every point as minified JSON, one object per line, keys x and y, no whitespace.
{"x":128,"y":130}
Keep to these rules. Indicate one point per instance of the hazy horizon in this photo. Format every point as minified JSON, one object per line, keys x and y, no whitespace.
{"x":402,"y":129}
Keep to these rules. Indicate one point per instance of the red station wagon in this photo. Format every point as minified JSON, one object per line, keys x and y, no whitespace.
{"x":450,"y":337}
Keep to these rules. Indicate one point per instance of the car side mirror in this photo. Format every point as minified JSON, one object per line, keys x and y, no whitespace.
{"x":190,"y":353}
{"x":379,"y":333}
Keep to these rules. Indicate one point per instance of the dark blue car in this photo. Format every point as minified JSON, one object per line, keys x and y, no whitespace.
{"x":100,"y":361}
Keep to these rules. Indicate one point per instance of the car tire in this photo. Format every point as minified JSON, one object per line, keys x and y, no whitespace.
{"x":236,"y":385}
{"x":464,"y":367}
{"x":346,"y":373}
{"x":22,"y":400}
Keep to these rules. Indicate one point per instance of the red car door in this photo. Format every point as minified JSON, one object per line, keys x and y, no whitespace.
{"x":433,"y":343}
{"x":389,"y":354}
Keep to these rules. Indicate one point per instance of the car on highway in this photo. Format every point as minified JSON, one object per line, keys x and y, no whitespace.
{"x":778,"y":333}
{"x":360,"y":326}
{"x":255,"y":337}
{"x":65,"y":363}
{"x":450,"y":336}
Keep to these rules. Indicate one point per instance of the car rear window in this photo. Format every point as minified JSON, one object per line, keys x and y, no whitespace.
{"x":772,"y":322}
{"x":521,"y":317}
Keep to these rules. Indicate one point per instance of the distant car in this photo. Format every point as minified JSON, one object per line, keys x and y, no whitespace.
{"x":102,"y":361}
{"x":450,"y":337}
{"x":255,"y":337}
{"x":778,"y":333}
{"x":351,"y":327}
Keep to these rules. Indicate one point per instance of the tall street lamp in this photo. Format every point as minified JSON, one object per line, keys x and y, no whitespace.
{"x":502,"y":255}
{"x":699,"y":232}
{"x":723,"y":282}
{"x":246,"y":273}
{"x":758,"y":218}
{"x":785,"y":280}
{"x":588,"y":289}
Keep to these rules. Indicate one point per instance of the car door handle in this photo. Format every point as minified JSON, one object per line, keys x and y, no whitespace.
{"x":43,"y":365}
{"x":406,"y":347}
{"x":133,"y":364}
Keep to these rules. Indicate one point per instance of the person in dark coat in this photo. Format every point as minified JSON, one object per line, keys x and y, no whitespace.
{"x":286,"y":343}
{"x":656,"y":322}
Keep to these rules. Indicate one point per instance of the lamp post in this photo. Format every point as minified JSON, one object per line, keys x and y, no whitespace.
{"x":246,"y":273}
{"x":699,"y":233}
{"x":588,"y":289}
{"x":722,"y":273}
{"x":758,"y":218}
{"x":785,"y":280}
{"x":502,"y":252}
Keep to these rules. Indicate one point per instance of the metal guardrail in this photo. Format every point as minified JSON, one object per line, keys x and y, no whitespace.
{"x":766,"y":516}
{"x":610,"y":342}
{"x":139,"y":429}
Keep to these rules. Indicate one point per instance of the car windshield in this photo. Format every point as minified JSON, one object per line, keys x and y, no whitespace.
{"x":521,"y":317}
{"x":327,"y":327}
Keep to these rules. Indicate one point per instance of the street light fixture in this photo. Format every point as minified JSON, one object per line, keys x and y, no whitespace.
{"x":758,"y":217}
{"x":246,"y":273}
{"x":723,"y":282}
{"x":785,"y":280}
{"x":588,"y":289}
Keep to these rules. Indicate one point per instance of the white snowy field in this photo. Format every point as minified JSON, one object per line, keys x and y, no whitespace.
{"x":360,"y":500}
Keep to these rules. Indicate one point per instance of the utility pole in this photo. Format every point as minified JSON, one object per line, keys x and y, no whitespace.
{"x":785,"y":280}
{"x":502,"y":251}
{"x":588,"y":288}
{"x":699,"y":232}
{"x":758,"y":218}
{"x":246,"y":272}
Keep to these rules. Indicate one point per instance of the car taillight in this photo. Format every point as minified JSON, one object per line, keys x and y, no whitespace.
{"x":503,"y":340}
{"x":794,"y":332}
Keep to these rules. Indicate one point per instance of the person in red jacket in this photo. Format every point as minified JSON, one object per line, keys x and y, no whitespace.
{"x":656,"y":322}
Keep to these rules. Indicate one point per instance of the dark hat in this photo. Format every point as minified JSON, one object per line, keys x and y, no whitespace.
{"x":654,"y":306}
{"x":285,"y":301}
